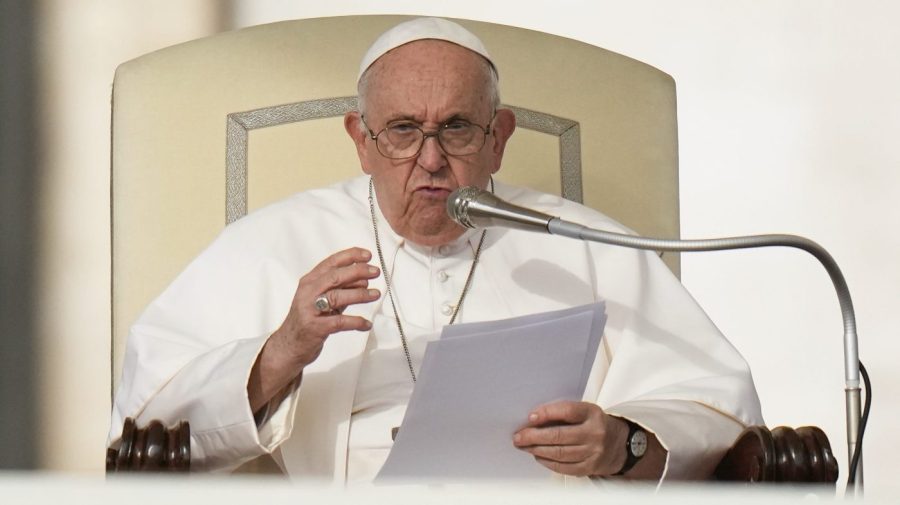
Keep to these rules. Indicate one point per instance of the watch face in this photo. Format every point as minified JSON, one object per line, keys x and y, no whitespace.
{"x":638,"y":443}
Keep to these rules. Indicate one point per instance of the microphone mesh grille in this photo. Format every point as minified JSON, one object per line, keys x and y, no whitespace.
{"x":458,"y":205}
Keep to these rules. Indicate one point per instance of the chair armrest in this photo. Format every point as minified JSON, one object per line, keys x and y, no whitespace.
{"x":780,"y":455}
{"x":151,"y":449}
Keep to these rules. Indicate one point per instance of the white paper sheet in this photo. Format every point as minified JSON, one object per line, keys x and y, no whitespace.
{"x":477,"y":385}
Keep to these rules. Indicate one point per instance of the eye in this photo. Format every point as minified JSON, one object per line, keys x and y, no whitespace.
{"x":402,"y":128}
{"x":456,"y":125}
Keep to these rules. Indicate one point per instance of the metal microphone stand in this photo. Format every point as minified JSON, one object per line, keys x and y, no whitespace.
{"x":557,"y":226}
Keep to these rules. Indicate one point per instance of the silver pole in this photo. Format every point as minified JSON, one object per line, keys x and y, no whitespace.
{"x":854,"y":414}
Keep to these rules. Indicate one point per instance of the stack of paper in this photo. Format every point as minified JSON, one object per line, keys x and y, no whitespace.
{"x":476,"y":387}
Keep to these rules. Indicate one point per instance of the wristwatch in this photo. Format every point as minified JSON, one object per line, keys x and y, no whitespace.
{"x":635,"y":446}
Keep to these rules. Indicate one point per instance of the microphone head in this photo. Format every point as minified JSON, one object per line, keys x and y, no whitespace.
{"x":458,"y":204}
{"x":472,"y":207}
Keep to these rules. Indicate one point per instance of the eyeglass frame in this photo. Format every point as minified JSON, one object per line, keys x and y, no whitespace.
{"x":486,"y":130}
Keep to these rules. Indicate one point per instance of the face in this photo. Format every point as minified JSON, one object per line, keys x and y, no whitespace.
{"x":428,"y":82}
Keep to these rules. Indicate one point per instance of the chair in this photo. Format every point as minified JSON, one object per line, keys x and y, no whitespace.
{"x":204,"y":131}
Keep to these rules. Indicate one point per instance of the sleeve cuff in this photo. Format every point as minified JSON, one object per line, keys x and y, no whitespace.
{"x":211,"y":392}
{"x":694,"y":435}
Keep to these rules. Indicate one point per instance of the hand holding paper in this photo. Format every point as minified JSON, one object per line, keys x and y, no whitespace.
{"x":574,"y":438}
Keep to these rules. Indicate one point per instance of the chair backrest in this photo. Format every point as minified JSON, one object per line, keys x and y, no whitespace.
{"x":205,"y":130}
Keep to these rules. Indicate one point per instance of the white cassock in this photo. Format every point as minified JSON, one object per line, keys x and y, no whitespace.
{"x":662,"y":362}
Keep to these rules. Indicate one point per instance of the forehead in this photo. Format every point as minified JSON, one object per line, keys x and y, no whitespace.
{"x":427,"y":78}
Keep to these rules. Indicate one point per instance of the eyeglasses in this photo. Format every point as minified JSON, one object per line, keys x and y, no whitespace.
{"x":404,"y":139}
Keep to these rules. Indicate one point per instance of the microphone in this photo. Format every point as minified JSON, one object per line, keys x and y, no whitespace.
{"x":472,"y":207}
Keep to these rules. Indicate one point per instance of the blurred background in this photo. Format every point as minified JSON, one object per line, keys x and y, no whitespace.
{"x":789,"y":118}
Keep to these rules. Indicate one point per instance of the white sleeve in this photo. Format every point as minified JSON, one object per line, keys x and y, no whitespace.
{"x":190,"y":354}
{"x":695,"y":436}
{"x":670,"y":369}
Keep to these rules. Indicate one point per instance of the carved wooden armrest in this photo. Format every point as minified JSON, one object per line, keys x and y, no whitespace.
{"x":151,"y":449}
{"x":780,"y":455}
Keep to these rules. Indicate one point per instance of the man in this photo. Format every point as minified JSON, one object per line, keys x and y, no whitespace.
{"x":317,"y":372}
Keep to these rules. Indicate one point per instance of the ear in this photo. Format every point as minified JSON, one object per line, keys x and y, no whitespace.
{"x":353,"y":125}
{"x":504,"y":126}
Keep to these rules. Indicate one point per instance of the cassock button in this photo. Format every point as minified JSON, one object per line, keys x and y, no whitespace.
{"x":447,"y":309}
{"x":443,"y":276}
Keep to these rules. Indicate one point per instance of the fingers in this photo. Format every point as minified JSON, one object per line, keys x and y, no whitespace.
{"x":561,"y":453}
{"x":341,"y":298}
{"x":342,"y":278}
{"x":333,"y":276}
{"x":561,"y":434}
{"x":567,"y":449}
{"x":564,"y":436}
{"x":568,"y":412}
{"x":345,"y":257}
{"x":362,"y":283}
{"x":340,"y":322}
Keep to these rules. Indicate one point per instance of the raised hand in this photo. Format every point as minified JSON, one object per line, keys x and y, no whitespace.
{"x":340,"y":280}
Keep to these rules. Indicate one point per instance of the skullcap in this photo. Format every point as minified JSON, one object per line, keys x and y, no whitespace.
{"x":422,"y":29}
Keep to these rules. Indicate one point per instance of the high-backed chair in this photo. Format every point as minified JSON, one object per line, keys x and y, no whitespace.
{"x":205,"y":131}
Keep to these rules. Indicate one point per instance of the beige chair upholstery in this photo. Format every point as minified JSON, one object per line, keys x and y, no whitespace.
{"x":203,"y":131}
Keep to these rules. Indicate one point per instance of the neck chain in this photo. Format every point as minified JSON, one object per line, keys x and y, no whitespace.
{"x":387,"y":277}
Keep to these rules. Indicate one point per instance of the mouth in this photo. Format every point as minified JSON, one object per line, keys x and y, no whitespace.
{"x":433,"y":192}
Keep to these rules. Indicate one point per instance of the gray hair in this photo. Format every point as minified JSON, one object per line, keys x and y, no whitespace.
{"x":492,"y":85}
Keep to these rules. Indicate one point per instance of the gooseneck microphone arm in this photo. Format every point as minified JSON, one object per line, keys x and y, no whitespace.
{"x":474,"y":208}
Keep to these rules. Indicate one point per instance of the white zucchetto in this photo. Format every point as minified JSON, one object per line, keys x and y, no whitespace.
{"x":422,"y":29}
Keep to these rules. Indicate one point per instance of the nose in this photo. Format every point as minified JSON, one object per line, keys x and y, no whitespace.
{"x":431,"y":157}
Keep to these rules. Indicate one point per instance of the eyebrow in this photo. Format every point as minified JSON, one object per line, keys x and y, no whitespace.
{"x":413,"y":119}
{"x":402,"y":117}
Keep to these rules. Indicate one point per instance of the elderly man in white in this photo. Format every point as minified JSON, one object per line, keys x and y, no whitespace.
{"x":382,"y":269}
